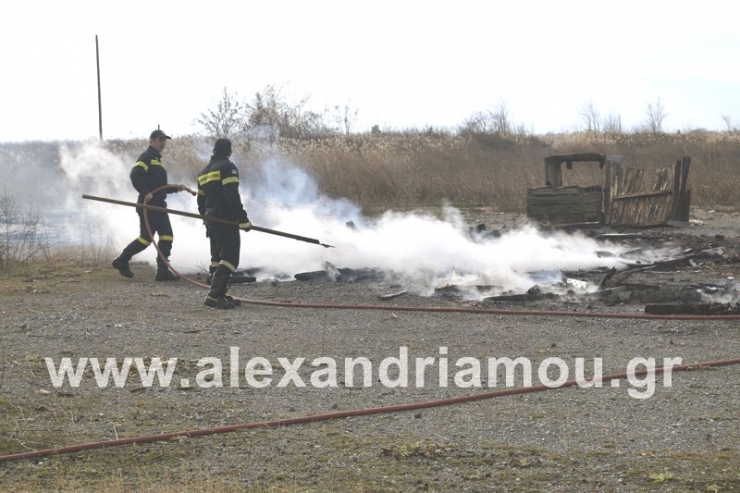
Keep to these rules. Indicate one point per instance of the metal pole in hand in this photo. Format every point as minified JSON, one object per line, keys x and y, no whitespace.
{"x":207,"y":218}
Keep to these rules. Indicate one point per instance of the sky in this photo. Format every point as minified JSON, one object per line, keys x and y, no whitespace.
{"x":401,"y":64}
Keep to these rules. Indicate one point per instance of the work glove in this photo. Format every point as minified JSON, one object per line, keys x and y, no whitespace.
{"x":245,"y":226}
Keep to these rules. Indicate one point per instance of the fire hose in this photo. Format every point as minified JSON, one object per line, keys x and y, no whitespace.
{"x":433,"y":309}
{"x":378,"y":410}
{"x":341,"y":414}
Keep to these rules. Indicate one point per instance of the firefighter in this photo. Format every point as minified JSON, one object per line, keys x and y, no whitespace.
{"x":218,"y":197}
{"x":147,"y":175}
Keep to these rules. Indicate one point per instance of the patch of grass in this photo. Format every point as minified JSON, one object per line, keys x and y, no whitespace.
{"x":662,"y":477}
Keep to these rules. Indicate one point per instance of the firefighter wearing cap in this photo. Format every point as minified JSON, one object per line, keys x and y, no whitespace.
{"x":218,"y":197}
{"x":147,"y":175}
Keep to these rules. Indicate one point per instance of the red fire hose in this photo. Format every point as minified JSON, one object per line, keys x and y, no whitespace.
{"x":480,"y":311}
{"x":379,"y":410}
{"x":339,"y":414}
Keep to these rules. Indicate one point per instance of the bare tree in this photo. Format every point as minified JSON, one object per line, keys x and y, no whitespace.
{"x":497,"y":121}
{"x":270,"y":111}
{"x":612,"y":124}
{"x":475,"y":124}
{"x":500,"y":119}
{"x":654,"y":116}
{"x":729,"y":123}
{"x":226,"y":119}
{"x":590,"y":117}
{"x":345,"y":117}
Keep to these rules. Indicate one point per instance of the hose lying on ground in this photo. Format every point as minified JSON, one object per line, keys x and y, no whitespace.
{"x":388,"y":409}
{"x":341,"y":414}
{"x":400,"y":308}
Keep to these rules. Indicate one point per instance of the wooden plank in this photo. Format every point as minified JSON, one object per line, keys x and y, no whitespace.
{"x":643,"y":195}
{"x":676,"y":189}
{"x":563,"y":209}
{"x":566,"y":205}
{"x":613,"y":190}
{"x":589,"y":217}
{"x":641,"y":211}
{"x":522,"y":297}
{"x":641,"y":203}
{"x":685,"y":173}
{"x":554,"y":202}
{"x":633,"y":180}
{"x":684,"y":198}
{"x":684,"y":210}
{"x":565,"y":200}
{"x":609,"y":189}
{"x":556,"y":191}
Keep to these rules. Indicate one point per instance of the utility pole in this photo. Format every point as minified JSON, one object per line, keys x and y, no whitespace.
{"x":100,"y":107}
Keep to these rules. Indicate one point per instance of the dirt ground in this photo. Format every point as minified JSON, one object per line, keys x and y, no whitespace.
{"x":639,"y":435}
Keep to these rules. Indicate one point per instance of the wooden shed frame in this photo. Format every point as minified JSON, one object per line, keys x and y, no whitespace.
{"x":611,"y":164}
{"x":628,"y":200}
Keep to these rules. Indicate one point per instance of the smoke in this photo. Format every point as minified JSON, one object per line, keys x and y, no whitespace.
{"x":421,"y":251}
{"x":728,"y":295}
{"x":90,"y":169}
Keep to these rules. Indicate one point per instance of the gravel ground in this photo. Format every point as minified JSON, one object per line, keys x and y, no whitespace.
{"x":679,"y":438}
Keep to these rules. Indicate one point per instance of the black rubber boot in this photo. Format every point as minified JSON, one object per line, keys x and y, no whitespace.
{"x":216,"y":297}
{"x":233,"y":300}
{"x":226,"y":288}
{"x":211,"y":271}
{"x":163,"y":273}
{"x":120,"y":263}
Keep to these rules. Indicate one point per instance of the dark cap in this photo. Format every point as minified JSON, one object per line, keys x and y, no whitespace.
{"x":158,"y":134}
{"x":222,"y":147}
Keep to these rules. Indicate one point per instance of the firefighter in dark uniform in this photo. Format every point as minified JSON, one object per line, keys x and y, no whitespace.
{"x":218,"y":197}
{"x":147,"y":175}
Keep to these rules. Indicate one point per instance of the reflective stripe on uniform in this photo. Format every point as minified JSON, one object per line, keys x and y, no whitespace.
{"x":232,"y":179}
{"x":156,"y":163}
{"x":228,"y":265}
{"x":142,"y":164}
{"x":143,"y":241}
{"x":166,"y":238}
{"x":209,"y":177}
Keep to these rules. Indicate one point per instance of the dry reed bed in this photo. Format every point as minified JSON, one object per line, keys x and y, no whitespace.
{"x":408,"y":170}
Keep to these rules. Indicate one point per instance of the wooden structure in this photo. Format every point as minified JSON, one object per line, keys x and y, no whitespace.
{"x":627,"y":197}
{"x":641,"y":202}
{"x":566,"y":205}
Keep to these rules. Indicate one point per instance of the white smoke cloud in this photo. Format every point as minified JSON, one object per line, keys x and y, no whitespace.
{"x":90,"y":169}
{"x":425,"y":251}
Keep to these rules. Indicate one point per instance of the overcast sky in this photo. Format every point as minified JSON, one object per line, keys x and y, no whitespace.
{"x":401,"y":63}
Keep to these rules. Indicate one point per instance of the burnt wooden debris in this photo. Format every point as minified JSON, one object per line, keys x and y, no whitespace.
{"x":330,"y":273}
{"x":629,"y":197}
{"x":243,"y":276}
{"x":606,"y":285}
{"x":454,"y":291}
{"x":611,"y":286}
{"x":390,"y":296}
